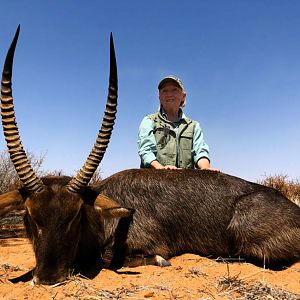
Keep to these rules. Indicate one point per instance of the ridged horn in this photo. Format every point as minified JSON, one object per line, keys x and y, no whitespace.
{"x":17,"y":154}
{"x":85,"y":174}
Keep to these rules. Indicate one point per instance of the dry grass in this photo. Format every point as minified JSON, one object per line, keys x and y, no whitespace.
{"x":231,"y":287}
{"x":235,"y":287}
{"x":78,"y":287}
{"x":288,"y":187}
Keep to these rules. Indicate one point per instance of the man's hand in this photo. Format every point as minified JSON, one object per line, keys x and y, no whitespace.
{"x":156,"y":165}
{"x":169,"y":167}
{"x":204,"y":164}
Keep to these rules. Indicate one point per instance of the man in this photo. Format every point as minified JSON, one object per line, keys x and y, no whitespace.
{"x":168,"y":139}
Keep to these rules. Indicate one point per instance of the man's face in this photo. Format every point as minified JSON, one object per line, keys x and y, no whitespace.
{"x":171,"y":96}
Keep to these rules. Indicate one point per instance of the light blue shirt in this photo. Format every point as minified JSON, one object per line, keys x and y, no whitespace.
{"x":147,"y":144}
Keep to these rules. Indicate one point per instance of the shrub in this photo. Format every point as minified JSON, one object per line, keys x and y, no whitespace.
{"x":288,"y":187}
{"x":8,"y":175}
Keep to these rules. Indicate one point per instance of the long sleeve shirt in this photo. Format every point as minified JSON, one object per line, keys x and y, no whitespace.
{"x":147,"y":147}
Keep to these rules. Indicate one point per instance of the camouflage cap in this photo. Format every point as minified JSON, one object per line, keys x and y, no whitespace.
{"x":171,"y":78}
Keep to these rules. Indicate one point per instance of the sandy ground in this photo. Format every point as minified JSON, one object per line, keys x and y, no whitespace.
{"x":189,"y":277}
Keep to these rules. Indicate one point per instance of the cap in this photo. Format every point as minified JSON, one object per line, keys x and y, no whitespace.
{"x":171,"y":78}
{"x":176,"y":80}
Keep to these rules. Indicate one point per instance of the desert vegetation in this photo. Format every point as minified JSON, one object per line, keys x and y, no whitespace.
{"x":8,"y":175}
{"x":290,"y":188}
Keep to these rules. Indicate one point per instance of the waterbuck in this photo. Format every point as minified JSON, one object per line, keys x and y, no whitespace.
{"x":153,"y":214}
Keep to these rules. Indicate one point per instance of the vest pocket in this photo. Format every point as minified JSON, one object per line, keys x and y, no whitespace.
{"x":186,"y":146}
{"x":186,"y":142}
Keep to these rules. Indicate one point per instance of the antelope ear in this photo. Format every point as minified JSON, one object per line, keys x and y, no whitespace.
{"x":108,"y":208}
{"x":10,"y":201}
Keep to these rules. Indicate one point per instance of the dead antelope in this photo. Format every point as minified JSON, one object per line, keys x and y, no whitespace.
{"x":153,"y":214}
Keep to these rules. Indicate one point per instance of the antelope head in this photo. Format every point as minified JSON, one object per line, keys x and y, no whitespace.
{"x":57,"y":209}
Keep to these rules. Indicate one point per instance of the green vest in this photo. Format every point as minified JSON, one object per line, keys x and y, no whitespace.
{"x":173,"y":149}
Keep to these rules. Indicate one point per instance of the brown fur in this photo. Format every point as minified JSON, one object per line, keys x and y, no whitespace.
{"x":207,"y":213}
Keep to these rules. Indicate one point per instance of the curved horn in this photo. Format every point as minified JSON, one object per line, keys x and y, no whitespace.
{"x":85,"y":174}
{"x":17,"y":154}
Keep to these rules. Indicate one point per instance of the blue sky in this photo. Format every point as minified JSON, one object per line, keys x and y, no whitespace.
{"x":239,"y":61}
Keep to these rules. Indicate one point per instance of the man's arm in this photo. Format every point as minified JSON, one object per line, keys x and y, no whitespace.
{"x":201,"y":150}
{"x":146,"y":142}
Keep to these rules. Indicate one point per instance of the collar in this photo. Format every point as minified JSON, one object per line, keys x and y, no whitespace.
{"x":181,"y":115}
